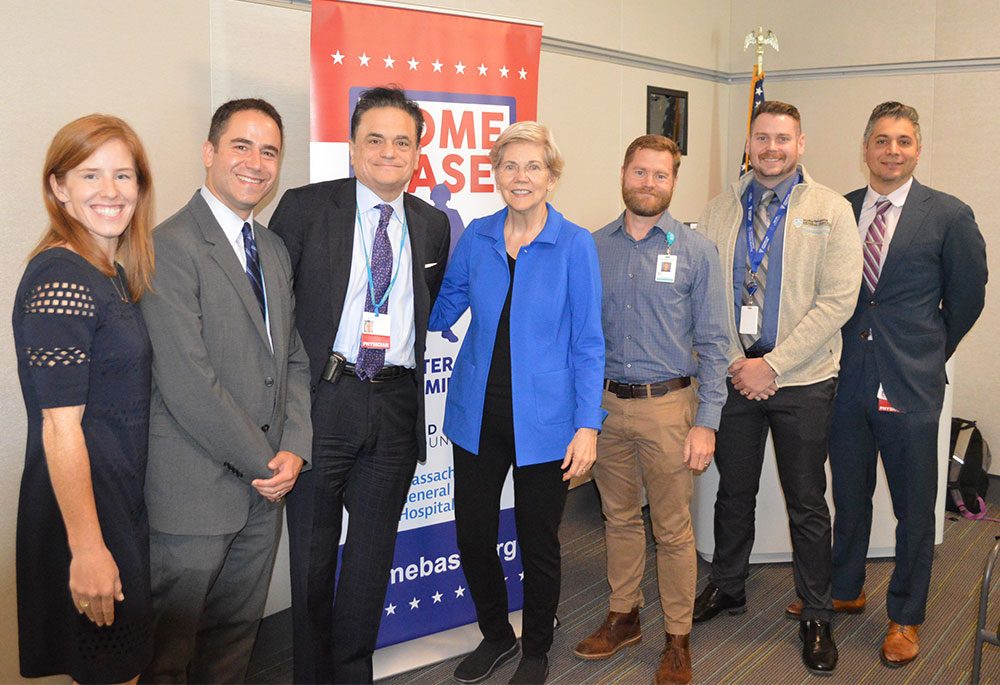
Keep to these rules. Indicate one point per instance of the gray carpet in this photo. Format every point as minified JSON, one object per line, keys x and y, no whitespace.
{"x":761,"y":646}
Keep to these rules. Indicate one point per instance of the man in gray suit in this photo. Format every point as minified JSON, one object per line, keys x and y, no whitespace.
{"x":229,"y":422}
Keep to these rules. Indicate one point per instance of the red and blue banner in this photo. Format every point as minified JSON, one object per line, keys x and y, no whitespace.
{"x":473,"y":76}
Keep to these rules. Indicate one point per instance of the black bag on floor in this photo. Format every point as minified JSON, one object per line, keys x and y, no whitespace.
{"x":967,"y":468}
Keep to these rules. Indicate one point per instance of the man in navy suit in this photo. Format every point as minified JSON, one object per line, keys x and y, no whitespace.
{"x":924,"y":287}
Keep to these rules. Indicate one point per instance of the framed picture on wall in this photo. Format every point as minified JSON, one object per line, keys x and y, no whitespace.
{"x":667,"y":114}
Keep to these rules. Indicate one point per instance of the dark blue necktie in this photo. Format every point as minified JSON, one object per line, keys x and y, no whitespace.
{"x":253,"y":268}
{"x":370,"y":361}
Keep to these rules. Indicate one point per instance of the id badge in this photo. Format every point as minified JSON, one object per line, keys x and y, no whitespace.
{"x":375,"y":331}
{"x":666,"y":268}
{"x":749,"y":320}
{"x":883,"y":401}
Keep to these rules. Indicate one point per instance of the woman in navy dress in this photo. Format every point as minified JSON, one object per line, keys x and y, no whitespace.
{"x":83,"y":360}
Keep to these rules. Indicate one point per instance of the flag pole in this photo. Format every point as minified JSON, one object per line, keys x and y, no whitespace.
{"x":758,"y":39}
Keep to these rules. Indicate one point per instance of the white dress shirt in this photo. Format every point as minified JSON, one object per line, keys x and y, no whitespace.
{"x":402,"y":332}
{"x":897,"y":199}
{"x":232,"y":226}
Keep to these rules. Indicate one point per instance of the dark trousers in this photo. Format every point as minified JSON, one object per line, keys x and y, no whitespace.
{"x":908,"y":445}
{"x":799,"y":420}
{"x":208,"y":598}
{"x":364,"y":456}
{"x":539,"y":497}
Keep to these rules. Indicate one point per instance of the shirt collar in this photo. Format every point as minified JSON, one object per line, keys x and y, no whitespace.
{"x":896,"y":197}
{"x":662,"y":225}
{"x":231,"y":224}
{"x":367,"y":200}
{"x":780,"y":190}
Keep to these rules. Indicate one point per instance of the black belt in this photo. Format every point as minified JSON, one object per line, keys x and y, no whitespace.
{"x":757,"y":352}
{"x":630,"y":391}
{"x":387,"y":373}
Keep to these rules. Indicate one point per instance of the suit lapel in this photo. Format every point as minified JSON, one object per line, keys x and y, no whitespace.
{"x":222,"y":252}
{"x":340,"y":245}
{"x":914,"y":210}
{"x":418,"y":240}
{"x":274,"y":287}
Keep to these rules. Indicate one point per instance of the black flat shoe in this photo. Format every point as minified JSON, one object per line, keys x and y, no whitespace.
{"x":485,"y":659}
{"x":533,"y":670}
{"x":712,"y":600}
{"x":819,"y":653}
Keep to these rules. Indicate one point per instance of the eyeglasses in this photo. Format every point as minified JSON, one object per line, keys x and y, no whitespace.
{"x":512,"y":169}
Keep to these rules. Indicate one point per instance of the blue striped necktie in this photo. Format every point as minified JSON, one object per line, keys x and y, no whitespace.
{"x":254,"y":274}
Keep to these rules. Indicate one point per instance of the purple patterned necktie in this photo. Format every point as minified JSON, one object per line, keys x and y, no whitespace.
{"x":873,"y":244}
{"x":371,"y":361}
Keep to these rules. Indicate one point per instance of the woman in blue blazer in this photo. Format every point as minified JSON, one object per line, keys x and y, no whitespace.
{"x":525,"y":391}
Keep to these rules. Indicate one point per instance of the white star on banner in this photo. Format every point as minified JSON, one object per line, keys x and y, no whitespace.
{"x":482,"y":69}
{"x":414,"y":603}
{"x":760,"y":91}
{"x":391,"y":609}
{"x":364,"y":59}
{"x":459,"y":68}
{"x":389,"y":61}
{"x":436,"y":597}
{"x":460,"y":592}
{"x":413,"y":63}
{"x":437,"y":65}
{"x":520,"y":576}
{"x":523,"y":74}
{"x":337,"y":57}
{"x":504,"y":71}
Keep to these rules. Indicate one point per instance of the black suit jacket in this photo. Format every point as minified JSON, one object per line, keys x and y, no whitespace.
{"x":317,"y":224}
{"x":930,"y":292}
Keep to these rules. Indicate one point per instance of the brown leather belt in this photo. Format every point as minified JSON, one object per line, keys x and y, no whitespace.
{"x":631,"y":391}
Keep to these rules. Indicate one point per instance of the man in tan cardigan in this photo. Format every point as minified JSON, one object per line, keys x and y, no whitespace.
{"x":791,"y":255}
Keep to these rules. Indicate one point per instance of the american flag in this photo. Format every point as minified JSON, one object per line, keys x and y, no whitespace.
{"x":756,"y":97}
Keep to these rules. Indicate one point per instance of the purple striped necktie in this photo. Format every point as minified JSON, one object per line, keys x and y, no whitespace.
{"x":370,"y":361}
{"x":873,"y":244}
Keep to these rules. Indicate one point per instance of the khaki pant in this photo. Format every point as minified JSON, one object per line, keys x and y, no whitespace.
{"x":642,"y":444}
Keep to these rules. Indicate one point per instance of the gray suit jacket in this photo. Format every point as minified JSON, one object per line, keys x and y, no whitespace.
{"x":222,"y":404}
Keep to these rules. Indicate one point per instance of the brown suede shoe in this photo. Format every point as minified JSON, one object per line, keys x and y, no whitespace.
{"x":618,"y":630}
{"x":901,"y":645}
{"x":675,"y":667}
{"x":849,"y":606}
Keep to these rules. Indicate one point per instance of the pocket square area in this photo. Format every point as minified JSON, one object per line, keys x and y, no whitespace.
{"x":427,"y":266}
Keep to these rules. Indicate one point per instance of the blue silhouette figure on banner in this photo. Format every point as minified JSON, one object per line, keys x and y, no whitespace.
{"x":440,"y":195}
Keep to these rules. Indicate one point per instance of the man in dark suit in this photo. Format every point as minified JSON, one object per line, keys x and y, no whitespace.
{"x":368,"y":261}
{"x":229,"y":421}
{"x":924,"y":287}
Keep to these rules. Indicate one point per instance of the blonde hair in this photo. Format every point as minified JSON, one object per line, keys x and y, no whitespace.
{"x":74,"y":143}
{"x":529,"y":132}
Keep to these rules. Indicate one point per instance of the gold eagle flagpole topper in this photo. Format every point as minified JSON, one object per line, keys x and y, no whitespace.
{"x":759,"y":39}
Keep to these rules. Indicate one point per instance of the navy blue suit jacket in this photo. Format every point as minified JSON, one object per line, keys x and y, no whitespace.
{"x":930,"y":292}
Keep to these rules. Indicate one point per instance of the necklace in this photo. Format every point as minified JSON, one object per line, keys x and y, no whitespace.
{"x":119,"y":286}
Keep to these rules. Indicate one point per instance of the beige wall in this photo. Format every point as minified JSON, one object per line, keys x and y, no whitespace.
{"x":164,"y":66}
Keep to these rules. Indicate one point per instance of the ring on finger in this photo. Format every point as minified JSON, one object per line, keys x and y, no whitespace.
{"x":84,"y":605}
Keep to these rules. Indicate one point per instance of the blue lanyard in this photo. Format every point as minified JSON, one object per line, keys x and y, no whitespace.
{"x":368,"y":266}
{"x":757,"y":255}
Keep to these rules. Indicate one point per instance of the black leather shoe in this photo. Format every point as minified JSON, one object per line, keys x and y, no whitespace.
{"x":485,"y":659}
{"x":712,"y":600}
{"x":819,"y":653}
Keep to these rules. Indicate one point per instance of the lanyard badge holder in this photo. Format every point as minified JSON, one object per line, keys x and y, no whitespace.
{"x":750,"y":315}
{"x":375,"y":327}
{"x":666,"y":264}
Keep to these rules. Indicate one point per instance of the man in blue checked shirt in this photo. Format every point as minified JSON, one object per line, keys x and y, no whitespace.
{"x":663,"y":302}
